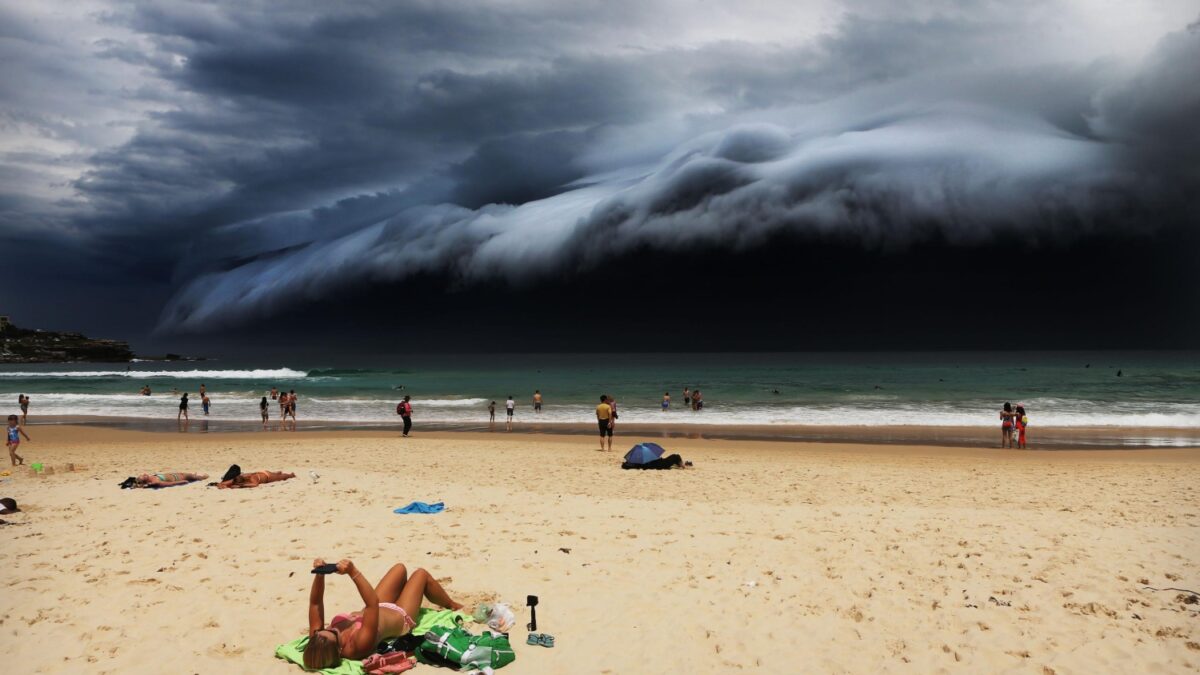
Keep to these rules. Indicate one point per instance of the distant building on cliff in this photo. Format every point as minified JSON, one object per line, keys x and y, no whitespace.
{"x":4,"y":323}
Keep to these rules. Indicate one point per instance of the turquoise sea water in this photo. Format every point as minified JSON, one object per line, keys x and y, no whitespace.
{"x":1062,"y":389}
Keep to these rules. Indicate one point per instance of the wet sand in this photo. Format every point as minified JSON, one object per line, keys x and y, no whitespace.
{"x":766,"y":557}
{"x":1041,"y":438}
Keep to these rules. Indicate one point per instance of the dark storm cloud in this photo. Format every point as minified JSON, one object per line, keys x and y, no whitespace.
{"x":280,"y":154}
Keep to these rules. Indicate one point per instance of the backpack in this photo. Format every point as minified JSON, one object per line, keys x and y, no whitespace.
{"x":400,"y":408}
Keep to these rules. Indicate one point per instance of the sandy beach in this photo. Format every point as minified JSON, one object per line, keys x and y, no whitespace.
{"x":766,"y":557}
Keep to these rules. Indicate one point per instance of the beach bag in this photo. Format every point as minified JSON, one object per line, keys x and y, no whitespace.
{"x":458,"y":647}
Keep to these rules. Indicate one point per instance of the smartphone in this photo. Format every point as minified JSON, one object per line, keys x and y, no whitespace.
{"x":327,"y":568}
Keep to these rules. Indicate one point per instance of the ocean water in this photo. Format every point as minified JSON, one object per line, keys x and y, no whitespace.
{"x":1060,"y":389}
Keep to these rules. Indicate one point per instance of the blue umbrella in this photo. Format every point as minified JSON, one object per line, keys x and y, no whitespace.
{"x":643,"y":453}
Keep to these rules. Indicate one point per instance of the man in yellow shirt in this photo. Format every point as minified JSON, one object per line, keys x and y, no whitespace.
{"x":604,"y":421}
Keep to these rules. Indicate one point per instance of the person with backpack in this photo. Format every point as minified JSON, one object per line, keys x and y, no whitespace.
{"x":404,"y":410}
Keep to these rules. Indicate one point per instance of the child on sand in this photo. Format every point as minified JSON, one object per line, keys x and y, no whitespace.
{"x":14,"y":440}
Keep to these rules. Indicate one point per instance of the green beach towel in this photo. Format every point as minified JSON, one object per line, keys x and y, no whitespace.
{"x":446,"y":618}
{"x":426,"y":618}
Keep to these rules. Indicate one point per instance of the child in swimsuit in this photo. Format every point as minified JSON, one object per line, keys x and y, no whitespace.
{"x":14,"y":440}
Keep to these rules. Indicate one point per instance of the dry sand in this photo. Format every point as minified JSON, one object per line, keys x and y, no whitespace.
{"x":775,"y":557}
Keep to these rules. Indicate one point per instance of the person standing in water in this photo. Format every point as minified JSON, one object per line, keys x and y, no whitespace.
{"x":492,"y":412}
{"x":666,"y":402}
{"x":687,"y":397}
{"x":510,"y":407}
{"x":537,"y":400}
{"x":183,"y":405}
{"x":404,"y":410}
{"x":23,"y":401}
{"x":262,"y":408}
{"x":291,"y":404}
{"x":204,"y":402}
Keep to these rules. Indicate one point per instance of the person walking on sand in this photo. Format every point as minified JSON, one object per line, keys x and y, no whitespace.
{"x":510,"y":407}
{"x":1006,"y":425}
{"x":23,"y":402}
{"x":537,"y":400}
{"x":183,"y":404}
{"x":404,"y":410}
{"x":13,"y":440}
{"x":492,"y":412}
{"x":262,"y":408}
{"x":604,"y":413}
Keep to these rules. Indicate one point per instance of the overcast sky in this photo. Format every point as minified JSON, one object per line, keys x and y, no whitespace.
{"x":175,"y":169}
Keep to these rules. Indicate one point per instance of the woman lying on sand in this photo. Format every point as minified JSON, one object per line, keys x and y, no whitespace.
{"x":249,"y":480}
{"x":168,"y":478}
{"x":388,"y":612}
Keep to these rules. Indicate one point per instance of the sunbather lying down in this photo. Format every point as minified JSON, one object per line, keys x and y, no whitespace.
{"x":168,"y":478}
{"x":249,"y":480}
{"x":389,"y":611}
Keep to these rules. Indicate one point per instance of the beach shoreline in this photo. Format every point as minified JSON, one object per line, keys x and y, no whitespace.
{"x":1049,"y":438}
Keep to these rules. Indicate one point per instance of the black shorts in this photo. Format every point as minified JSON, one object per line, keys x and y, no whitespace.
{"x":537,"y":406}
{"x":510,"y":412}
{"x":605,"y":427}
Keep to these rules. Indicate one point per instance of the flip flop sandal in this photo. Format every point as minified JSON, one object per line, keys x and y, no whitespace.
{"x":547,"y":640}
{"x":534,"y":639}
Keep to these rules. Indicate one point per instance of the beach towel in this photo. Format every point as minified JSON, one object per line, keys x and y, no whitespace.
{"x":421,"y":507}
{"x":294,"y":651}
{"x":446,"y":618}
{"x":426,"y":619}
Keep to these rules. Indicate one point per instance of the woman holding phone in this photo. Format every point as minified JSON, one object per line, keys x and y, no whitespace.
{"x":389,"y":610}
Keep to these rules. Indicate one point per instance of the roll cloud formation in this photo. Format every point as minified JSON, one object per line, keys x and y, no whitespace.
{"x":275,"y":156}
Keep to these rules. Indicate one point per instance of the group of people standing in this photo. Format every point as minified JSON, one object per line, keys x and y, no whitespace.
{"x":692,"y":399}
{"x":287,"y":405}
{"x":205,"y":402}
{"x":1012,"y":425}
